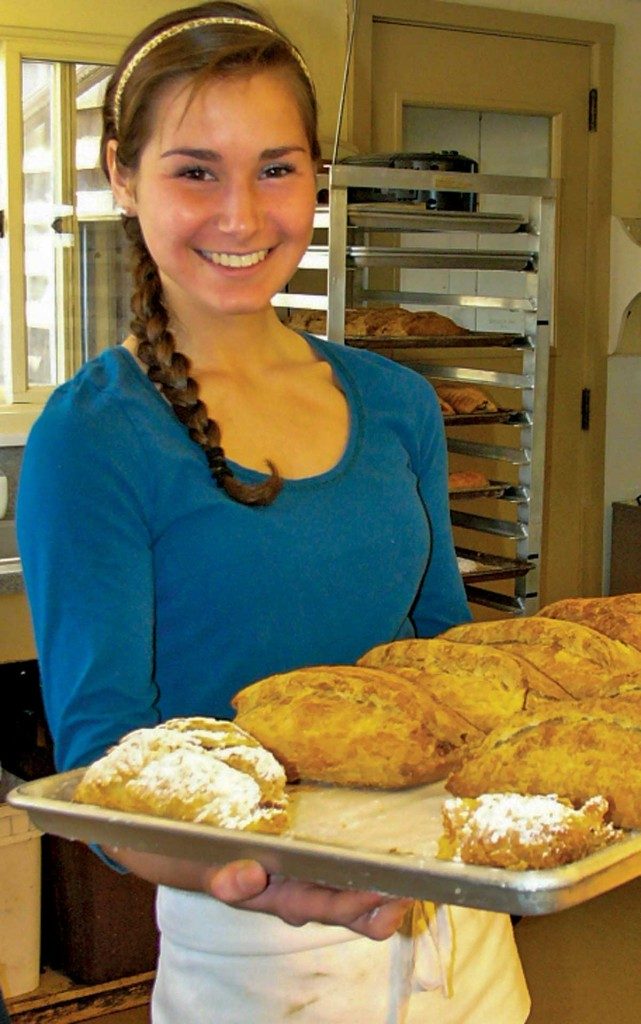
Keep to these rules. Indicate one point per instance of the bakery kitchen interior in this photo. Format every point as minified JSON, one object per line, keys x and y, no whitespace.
{"x":479,"y":220}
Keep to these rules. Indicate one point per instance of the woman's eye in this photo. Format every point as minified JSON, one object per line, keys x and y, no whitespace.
{"x":196,"y":174}
{"x":277,"y":170}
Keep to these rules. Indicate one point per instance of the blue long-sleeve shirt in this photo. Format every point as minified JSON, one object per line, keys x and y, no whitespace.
{"x":153,"y":594}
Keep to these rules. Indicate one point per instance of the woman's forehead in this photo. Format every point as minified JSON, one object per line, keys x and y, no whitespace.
{"x":229,"y":104}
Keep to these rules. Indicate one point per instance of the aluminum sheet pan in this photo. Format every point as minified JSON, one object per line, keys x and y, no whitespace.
{"x":349,"y":838}
{"x":487,"y":339}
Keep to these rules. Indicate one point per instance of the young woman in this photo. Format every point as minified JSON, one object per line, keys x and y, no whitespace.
{"x":219,"y":498}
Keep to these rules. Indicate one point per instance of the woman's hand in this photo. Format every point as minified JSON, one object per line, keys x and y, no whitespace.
{"x":246,"y":885}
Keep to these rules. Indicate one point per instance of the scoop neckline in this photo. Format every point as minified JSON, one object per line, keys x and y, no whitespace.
{"x":347,"y":385}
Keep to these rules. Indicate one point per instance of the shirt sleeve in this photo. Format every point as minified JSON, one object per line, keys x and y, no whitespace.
{"x":441,"y":601}
{"x":86,"y":551}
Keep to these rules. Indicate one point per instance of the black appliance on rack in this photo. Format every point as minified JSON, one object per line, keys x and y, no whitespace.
{"x":434,"y":199}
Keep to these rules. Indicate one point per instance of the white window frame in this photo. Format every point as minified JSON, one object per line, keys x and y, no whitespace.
{"x":15,"y":47}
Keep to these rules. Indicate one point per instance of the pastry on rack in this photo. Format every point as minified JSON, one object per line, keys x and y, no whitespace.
{"x":354,"y":725}
{"x":466,"y":398}
{"x":486,"y":686}
{"x":574,"y":749}
{"x":507,"y":830}
{"x":618,"y":616}
{"x":381,"y":322}
{"x":466,"y":480}
{"x":203,"y":770}
{"x":578,"y":659}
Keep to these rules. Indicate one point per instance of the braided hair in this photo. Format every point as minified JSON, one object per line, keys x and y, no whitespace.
{"x":218,"y":38}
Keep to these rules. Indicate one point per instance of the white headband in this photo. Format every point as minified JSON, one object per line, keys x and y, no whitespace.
{"x":184,"y":26}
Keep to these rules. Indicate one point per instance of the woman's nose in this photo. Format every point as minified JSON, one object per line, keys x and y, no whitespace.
{"x":239,"y":212}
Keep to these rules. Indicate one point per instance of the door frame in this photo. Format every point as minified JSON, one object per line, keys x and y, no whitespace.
{"x":598,"y":37}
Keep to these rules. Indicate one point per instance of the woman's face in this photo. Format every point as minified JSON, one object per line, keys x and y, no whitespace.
{"x":225,"y":193}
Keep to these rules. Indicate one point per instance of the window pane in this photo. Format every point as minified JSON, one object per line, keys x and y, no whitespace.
{"x":4,"y":305}
{"x":104,"y":276}
{"x":40,"y":239}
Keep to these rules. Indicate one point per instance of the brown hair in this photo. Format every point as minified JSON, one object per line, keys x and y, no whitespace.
{"x":200,"y":52}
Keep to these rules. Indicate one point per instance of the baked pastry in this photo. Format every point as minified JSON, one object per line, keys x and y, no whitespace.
{"x":618,"y":616}
{"x":462,"y":480}
{"x":203,"y":770}
{"x":353,"y":725}
{"x":485,"y":686}
{"x":466,"y":398}
{"x":467,"y":565}
{"x":578,"y":659}
{"x":573,"y":749}
{"x":381,"y":322}
{"x":506,"y":830}
{"x":444,"y":406}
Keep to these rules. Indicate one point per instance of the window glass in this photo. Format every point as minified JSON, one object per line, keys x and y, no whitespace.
{"x":40,"y":239}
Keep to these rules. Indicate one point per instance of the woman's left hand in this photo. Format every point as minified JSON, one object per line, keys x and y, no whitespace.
{"x":247,"y":886}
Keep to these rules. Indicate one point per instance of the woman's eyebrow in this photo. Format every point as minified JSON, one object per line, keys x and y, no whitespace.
{"x":211,"y":156}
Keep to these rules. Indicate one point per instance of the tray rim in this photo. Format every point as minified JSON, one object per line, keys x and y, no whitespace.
{"x":531,"y":892}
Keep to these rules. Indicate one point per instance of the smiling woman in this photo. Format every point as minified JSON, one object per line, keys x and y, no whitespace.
{"x":158,"y":592}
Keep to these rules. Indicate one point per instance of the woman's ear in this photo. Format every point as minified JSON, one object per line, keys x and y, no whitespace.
{"x":122,"y":181}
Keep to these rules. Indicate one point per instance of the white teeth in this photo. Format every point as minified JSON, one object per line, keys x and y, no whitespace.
{"x":232,"y":259}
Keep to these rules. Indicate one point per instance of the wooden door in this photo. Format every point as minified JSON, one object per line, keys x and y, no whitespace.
{"x":486,"y":69}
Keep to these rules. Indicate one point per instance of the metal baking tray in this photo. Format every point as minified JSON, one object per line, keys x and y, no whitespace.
{"x":477,"y":339}
{"x":494,"y":489}
{"x":464,"y":419}
{"x":397,"y":217}
{"x":348,"y":838}
{"x":439,"y":259}
{"x":492,"y":567}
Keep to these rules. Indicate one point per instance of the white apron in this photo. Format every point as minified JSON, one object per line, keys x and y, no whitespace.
{"x":219,"y":965}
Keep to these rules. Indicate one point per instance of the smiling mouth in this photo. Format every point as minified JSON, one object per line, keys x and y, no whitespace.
{"x":233,"y":259}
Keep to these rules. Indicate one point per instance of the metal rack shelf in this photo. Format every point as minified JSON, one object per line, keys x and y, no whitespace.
{"x":360,"y":271}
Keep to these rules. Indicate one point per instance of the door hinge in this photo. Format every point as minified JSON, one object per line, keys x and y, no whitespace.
{"x":1,"y":223}
{"x":585,"y":409}
{"x":593,"y":109}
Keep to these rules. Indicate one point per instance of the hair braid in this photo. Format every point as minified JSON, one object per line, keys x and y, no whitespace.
{"x":169,"y":369}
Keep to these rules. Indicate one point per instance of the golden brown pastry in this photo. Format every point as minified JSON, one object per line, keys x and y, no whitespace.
{"x":444,"y":406}
{"x":466,"y":398}
{"x":380,"y":322}
{"x":462,"y":480}
{"x":485,"y":686}
{"x":507,"y":830}
{"x":579,"y":659}
{"x":353,"y":725}
{"x":618,"y":617}
{"x":203,"y":770}
{"x":572,"y":749}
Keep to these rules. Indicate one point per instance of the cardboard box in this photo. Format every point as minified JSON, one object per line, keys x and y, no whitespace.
{"x":20,"y":851}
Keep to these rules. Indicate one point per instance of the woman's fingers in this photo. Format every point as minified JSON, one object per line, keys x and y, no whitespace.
{"x":246,"y":885}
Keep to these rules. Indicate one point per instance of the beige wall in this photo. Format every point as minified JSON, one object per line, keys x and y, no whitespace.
{"x":625,"y":15}
{"x":318,"y":27}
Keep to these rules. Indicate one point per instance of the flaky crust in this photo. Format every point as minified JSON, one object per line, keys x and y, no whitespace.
{"x":580,"y":660}
{"x":486,"y":686}
{"x":507,"y":830}
{"x":354,"y":725}
{"x":572,"y":749}
{"x":466,"y":398}
{"x":618,"y":616}
{"x":381,"y":322}
{"x":203,"y":770}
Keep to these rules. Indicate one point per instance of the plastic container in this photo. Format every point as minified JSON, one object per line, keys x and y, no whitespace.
{"x":20,"y":851}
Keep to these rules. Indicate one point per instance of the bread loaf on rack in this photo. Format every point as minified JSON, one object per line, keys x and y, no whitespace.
{"x":381,"y":322}
{"x":203,"y":770}
{"x":466,"y":398}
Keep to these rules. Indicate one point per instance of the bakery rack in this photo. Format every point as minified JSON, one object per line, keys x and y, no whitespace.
{"x":358,"y":257}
